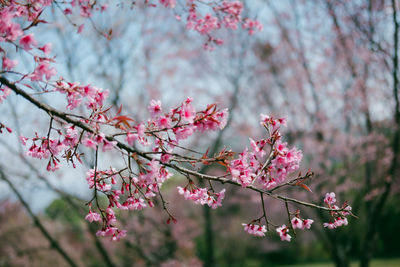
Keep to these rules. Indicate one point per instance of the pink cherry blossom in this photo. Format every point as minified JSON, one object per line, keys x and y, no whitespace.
{"x":202,"y":196}
{"x":307,"y":223}
{"x":155,"y":108}
{"x":297,"y":223}
{"x":165,"y":158}
{"x":130,"y":138}
{"x":46,"y":48}
{"x":283,"y":233}
{"x":188,"y":113}
{"x":341,"y":221}
{"x":330,"y":225}
{"x":168,"y":3}
{"x":183,"y":132}
{"x":330,"y":198}
{"x":164,"y":122}
{"x":252,"y":26}
{"x":93,"y":216}
{"x":43,"y":69}
{"x":4,"y":92}
{"x":9,"y":64}
{"x":67,"y":11}
{"x":71,"y":136}
{"x":27,"y":41}
{"x":108,"y":145}
{"x":88,"y":142}
{"x":255,"y":229}
{"x":80,"y":28}
{"x":23,"y":140}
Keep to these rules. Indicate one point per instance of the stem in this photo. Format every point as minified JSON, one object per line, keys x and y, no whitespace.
{"x":264,"y":212}
{"x":288,"y":215}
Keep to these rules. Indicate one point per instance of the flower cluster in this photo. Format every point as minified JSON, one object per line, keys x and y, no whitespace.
{"x":268,"y":169}
{"x":202,"y":196}
{"x":43,"y":69}
{"x":283,"y":231}
{"x":338,"y":217}
{"x":168,"y":129}
{"x":133,"y":193}
{"x":47,"y":147}
{"x":298,"y":223}
{"x":255,"y":229}
{"x":75,"y":93}
{"x":227,"y":14}
{"x":11,"y":30}
{"x":85,"y":7}
{"x":252,"y":26}
{"x":94,"y":141}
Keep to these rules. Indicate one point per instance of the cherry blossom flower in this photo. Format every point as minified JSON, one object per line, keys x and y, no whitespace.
{"x":93,"y":216}
{"x":112,"y":231}
{"x":340,"y":221}
{"x":297,"y":223}
{"x":182,"y":133}
{"x":80,"y":28}
{"x":164,"y":122}
{"x":283,"y":233}
{"x":165,"y":158}
{"x":43,"y":69}
{"x":9,"y":64}
{"x":188,"y":113}
{"x":330,"y":198}
{"x":307,"y":223}
{"x":168,"y":3}
{"x":255,"y":229}
{"x":155,"y":108}
{"x":202,"y":196}
{"x":130,"y":138}
{"x":89,"y":142}
{"x":4,"y":92}
{"x":71,"y":136}
{"x":23,"y":140}
{"x":27,"y":41}
{"x":330,"y":225}
{"x":252,"y":26}
{"x":108,"y":145}
{"x":46,"y":48}
{"x":241,"y":170}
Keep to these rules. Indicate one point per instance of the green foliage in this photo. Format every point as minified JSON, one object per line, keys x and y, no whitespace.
{"x":61,"y":210}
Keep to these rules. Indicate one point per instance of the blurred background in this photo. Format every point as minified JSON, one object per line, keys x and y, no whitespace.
{"x":330,"y":67}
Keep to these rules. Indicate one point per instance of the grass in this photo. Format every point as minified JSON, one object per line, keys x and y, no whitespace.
{"x":374,"y":263}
